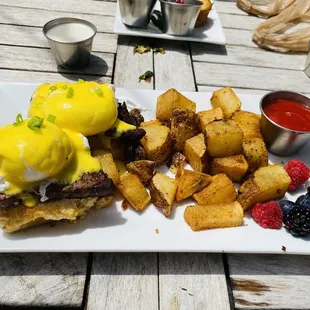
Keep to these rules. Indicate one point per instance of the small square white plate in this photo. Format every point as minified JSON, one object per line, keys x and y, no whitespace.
{"x":212,"y":32}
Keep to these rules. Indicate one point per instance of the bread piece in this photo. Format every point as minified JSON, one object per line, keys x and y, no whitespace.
{"x":170,"y":100}
{"x":214,"y":216}
{"x":190,"y":182}
{"x":203,"y":13}
{"x":227,"y":100}
{"x":163,"y":190}
{"x":20,"y":217}
{"x":220,"y":190}
{"x":133,"y":191}
{"x":195,"y":152}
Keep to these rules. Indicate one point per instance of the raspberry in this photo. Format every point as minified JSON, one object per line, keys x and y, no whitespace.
{"x":268,"y":215}
{"x":298,"y":172}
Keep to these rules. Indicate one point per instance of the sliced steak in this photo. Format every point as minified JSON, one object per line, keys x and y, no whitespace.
{"x":7,"y":201}
{"x":89,"y":185}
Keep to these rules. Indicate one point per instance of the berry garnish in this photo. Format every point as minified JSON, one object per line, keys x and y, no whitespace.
{"x":286,"y":206}
{"x":303,"y":200}
{"x":268,"y":215}
{"x":298,"y":172}
{"x":297,"y":221}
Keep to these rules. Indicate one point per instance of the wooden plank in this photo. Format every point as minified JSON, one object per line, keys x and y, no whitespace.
{"x":250,"y":77}
{"x":85,"y":6}
{"x":18,"y":76}
{"x":37,"y":18}
{"x":270,"y":281}
{"x":174,"y":69}
{"x":247,"y":22}
{"x":228,"y":7}
{"x":35,"y":59}
{"x":247,"y":56}
{"x":124,"y":281}
{"x":42,"y":279}
{"x":33,"y":37}
{"x":239,"y":37}
{"x":130,"y":66}
{"x":192,"y":281}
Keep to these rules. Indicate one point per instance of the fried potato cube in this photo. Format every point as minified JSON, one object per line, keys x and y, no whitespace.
{"x":163,"y":190}
{"x":249,"y":123}
{"x":227,"y":100}
{"x":177,"y":162}
{"x":267,"y":183}
{"x":144,"y":169}
{"x":203,"y":13}
{"x":214,"y":216}
{"x":235,"y":167}
{"x":190,"y":182}
{"x":196,"y":154}
{"x":255,"y":153}
{"x":107,"y":163}
{"x":184,"y":125}
{"x":223,"y":138}
{"x":157,"y":142}
{"x":133,"y":191}
{"x":220,"y":190}
{"x":208,"y":116}
{"x":170,"y":100}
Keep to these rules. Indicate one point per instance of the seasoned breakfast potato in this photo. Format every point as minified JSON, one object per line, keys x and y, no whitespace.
{"x":170,"y":100}
{"x":255,"y":153}
{"x":190,"y":182}
{"x":227,"y":100}
{"x":184,"y":125}
{"x":107,"y":163}
{"x":249,"y":124}
{"x":220,"y":190}
{"x":163,"y":190}
{"x":208,"y":116}
{"x":115,"y":145}
{"x":235,"y":167}
{"x":223,"y":138}
{"x":157,"y":142}
{"x":267,"y":183}
{"x":133,"y":191}
{"x":177,"y":162}
{"x":196,"y":154}
{"x":144,"y":169}
{"x":203,"y":13}
{"x":214,"y":216}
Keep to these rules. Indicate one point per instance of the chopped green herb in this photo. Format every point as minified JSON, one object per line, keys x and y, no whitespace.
{"x":51,"y":118}
{"x":51,"y":89}
{"x":146,"y":76}
{"x":141,"y":49}
{"x":19,"y":119}
{"x":99,"y":92}
{"x":35,"y":123}
{"x":81,"y":81}
{"x":70,"y":92}
{"x":157,"y":50}
{"x":64,"y":87}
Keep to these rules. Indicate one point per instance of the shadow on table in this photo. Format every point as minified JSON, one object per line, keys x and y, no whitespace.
{"x":97,"y":67}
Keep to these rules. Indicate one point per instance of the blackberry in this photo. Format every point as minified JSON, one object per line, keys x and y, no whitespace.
{"x":286,"y":206}
{"x":297,"y":221}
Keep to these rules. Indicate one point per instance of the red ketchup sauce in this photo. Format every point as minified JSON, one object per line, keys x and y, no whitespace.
{"x":289,"y":114}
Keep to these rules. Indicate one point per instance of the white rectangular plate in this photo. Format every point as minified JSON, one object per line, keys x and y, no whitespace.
{"x":115,"y":230}
{"x":212,"y":32}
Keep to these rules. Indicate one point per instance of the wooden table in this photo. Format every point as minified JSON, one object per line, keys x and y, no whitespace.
{"x":155,"y":280}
